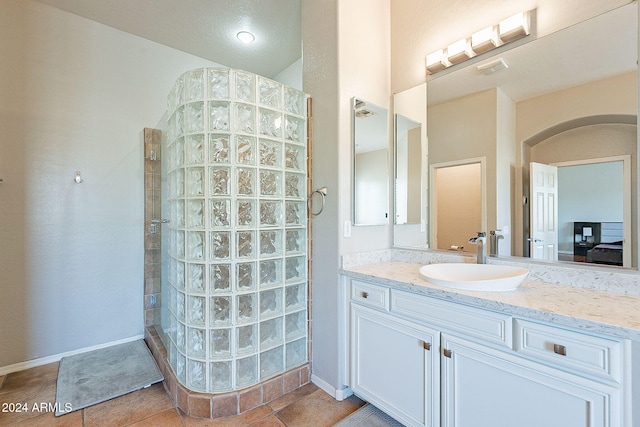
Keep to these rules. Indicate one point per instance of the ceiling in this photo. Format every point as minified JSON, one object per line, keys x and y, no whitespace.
{"x":207,"y":28}
{"x":370,"y":123}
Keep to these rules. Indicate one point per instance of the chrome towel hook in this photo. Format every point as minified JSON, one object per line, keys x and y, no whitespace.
{"x":322,"y":191}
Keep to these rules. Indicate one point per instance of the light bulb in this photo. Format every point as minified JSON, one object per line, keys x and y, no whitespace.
{"x":245,"y":37}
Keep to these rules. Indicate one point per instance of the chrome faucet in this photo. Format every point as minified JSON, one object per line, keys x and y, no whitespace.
{"x":480,"y":240}
{"x":494,"y":237}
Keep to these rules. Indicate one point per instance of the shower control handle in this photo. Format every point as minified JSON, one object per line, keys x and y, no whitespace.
{"x":159,"y":221}
{"x":153,"y":228}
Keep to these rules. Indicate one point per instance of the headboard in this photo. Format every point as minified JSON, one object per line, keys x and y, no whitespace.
{"x":611,"y":232}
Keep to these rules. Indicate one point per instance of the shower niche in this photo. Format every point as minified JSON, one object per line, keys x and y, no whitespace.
{"x":235,"y":286}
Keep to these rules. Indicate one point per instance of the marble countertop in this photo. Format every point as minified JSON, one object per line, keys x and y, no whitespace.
{"x":589,"y":310}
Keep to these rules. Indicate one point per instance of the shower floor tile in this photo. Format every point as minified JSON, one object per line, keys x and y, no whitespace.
{"x":307,"y":406}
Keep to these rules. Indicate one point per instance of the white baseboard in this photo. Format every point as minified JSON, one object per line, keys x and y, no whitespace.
{"x":338,"y":394}
{"x":343,"y":393}
{"x":21,"y":366}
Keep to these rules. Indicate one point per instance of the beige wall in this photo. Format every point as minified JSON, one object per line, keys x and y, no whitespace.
{"x":505,"y":173}
{"x":364,"y":59}
{"x":587,"y":142}
{"x":463,"y":128}
{"x":614,"y":95}
{"x":466,"y":128}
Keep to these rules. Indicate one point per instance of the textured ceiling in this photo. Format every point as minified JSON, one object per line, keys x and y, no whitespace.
{"x":207,"y":28}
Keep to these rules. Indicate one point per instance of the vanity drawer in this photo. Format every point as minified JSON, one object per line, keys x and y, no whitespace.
{"x":370,"y":295}
{"x":575,"y":350}
{"x":487,"y":326}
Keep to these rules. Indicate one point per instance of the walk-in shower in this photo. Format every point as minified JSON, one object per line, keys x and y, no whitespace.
{"x":234,"y":290}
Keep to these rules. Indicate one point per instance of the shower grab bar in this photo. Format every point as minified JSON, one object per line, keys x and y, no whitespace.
{"x":323,"y":193}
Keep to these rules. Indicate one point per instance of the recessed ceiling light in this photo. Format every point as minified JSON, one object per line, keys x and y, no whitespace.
{"x":245,"y":37}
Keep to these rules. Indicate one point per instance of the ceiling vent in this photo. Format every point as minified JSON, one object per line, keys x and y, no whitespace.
{"x":493,"y":67}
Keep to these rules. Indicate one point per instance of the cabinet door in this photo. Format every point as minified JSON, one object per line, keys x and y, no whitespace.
{"x":482,"y":386}
{"x":395,"y":366}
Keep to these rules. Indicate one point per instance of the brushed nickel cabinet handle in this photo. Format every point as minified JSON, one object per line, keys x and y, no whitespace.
{"x":560,"y":349}
{"x":447,"y":353}
{"x":365,"y":294}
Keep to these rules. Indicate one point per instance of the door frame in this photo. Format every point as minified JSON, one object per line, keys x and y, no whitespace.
{"x":433,"y":193}
{"x":626,"y":196}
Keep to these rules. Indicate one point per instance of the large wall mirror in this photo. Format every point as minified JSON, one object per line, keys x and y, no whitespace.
{"x":567,"y":102}
{"x":370,"y":163}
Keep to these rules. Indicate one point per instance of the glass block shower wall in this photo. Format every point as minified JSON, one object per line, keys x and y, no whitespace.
{"x":237,"y":233}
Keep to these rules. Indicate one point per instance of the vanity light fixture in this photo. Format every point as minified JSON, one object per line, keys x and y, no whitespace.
{"x":484,"y":40}
{"x":436,"y":61}
{"x":506,"y":31}
{"x":513,"y":28}
{"x":459,"y":51}
{"x":245,"y":37}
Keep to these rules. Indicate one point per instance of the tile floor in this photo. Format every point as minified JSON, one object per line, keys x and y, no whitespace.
{"x":307,"y":406}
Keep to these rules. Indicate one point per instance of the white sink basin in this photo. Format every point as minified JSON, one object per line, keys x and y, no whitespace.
{"x":474,"y":277}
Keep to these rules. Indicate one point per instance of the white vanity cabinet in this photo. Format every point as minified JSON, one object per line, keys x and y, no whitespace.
{"x":394,"y":362}
{"x":430,"y":362}
{"x":395,"y":366}
{"x":482,"y":386}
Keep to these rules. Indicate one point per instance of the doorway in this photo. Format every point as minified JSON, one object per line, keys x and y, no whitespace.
{"x":597,"y":191}
{"x":459,"y":202}
{"x":592,"y":195}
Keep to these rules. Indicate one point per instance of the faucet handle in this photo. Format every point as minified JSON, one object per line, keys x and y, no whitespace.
{"x":482,"y":234}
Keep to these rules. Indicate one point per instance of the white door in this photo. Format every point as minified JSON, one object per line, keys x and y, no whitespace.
{"x":482,"y":386}
{"x":543,"y":212}
{"x":394,"y":366}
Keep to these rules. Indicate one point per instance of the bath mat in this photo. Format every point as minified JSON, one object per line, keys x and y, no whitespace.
{"x":368,"y":416}
{"x":96,"y":376}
